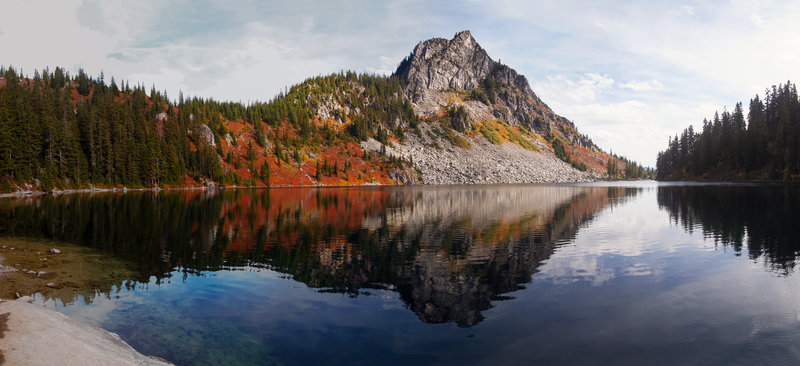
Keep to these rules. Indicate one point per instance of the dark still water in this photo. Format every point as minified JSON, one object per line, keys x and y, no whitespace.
{"x":619,"y":274}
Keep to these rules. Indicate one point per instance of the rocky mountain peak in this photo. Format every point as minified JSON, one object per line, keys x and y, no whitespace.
{"x":461,"y":64}
{"x":458,"y":64}
{"x":465,"y":38}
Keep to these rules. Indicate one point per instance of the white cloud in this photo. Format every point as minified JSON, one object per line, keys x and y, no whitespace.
{"x":586,"y":89}
{"x":634,"y":128}
{"x":387,"y":66}
{"x":600,"y":25}
{"x":688,"y":9}
{"x":615,"y":116}
{"x":641,"y":86}
{"x":757,"y":20}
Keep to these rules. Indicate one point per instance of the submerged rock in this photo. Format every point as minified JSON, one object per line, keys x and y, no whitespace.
{"x":8,"y":269}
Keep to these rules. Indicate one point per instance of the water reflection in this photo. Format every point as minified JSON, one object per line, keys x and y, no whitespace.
{"x":760,"y":220}
{"x":448,"y":251}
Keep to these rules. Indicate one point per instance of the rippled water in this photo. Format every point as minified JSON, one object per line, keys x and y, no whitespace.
{"x":624,"y":273}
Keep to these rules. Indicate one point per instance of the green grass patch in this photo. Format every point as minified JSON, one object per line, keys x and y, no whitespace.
{"x":460,"y":142}
{"x":450,"y":135}
{"x":490,"y":133}
{"x":499,"y":132}
{"x":520,"y":140}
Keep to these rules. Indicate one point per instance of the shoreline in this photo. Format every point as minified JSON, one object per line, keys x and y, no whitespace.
{"x":33,"y":334}
{"x":56,"y":192}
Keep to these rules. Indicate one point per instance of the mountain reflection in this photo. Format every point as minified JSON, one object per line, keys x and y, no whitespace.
{"x":760,"y":220}
{"x":448,"y":251}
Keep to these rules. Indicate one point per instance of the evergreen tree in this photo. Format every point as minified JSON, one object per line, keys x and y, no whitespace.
{"x":765,"y":146}
{"x":265,"y":173}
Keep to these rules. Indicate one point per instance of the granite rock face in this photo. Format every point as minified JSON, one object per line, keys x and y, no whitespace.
{"x":457,"y":64}
{"x":205,"y":133}
{"x":461,"y":64}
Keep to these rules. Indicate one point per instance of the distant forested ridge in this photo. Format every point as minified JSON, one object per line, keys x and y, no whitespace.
{"x":762,"y":145}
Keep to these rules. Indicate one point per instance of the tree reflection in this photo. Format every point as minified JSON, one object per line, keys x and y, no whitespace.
{"x":757,"y":219}
{"x":448,"y":251}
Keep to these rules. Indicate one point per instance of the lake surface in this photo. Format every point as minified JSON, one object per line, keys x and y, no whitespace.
{"x":620,"y":273}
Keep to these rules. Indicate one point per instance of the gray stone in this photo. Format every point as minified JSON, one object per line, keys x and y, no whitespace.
{"x":55,"y":251}
{"x":204,"y":132}
{"x":457,"y":64}
{"x":8,"y":269}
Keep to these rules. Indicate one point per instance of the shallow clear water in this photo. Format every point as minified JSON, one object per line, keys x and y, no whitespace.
{"x":624,"y":273}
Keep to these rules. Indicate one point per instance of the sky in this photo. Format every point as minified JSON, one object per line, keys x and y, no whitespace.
{"x":629,"y":74}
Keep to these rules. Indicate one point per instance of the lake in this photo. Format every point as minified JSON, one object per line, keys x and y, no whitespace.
{"x":625,"y":273}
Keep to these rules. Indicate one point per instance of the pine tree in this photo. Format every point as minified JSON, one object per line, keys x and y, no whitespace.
{"x":265,"y":173}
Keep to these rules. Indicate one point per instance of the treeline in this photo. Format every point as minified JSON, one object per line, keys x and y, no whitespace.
{"x":73,"y":131}
{"x":763,"y":145}
{"x":631,"y":169}
{"x":58,"y":130}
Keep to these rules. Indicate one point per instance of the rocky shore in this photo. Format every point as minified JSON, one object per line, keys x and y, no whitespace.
{"x":30,"y":334}
{"x":33,"y":335}
{"x":31,"y":193}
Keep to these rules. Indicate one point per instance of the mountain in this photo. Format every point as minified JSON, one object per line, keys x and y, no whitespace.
{"x":449,"y":114}
{"x":457,"y":83}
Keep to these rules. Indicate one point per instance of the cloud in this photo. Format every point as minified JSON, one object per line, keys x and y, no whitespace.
{"x":247,"y":50}
{"x":585,"y":89}
{"x":757,"y":20}
{"x":616,"y":116}
{"x":387,"y":66}
{"x":641,"y":86}
{"x":688,"y":9}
